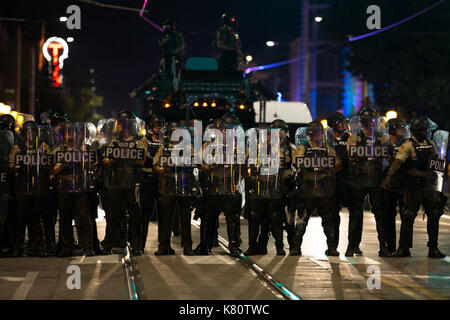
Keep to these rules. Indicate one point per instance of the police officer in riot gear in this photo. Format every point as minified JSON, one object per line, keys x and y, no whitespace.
{"x":229,"y":44}
{"x":124,"y":154}
{"x":105,"y":128}
{"x":56,"y":121}
{"x":367,"y":150}
{"x":148,"y":192}
{"x":337,"y":137}
{"x":172,"y":49}
{"x":75,"y":179}
{"x":31,"y":161}
{"x":7,"y":124}
{"x":415,"y":155}
{"x":178,"y":188}
{"x":220,"y":183}
{"x":394,"y":196}
{"x":265,"y":185}
{"x":316,"y":165}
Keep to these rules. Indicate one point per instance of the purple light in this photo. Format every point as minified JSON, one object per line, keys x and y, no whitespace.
{"x":141,"y":14}
{"x":396,"y":24}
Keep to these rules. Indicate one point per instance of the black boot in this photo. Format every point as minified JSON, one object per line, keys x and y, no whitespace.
{"x":295,"y":251}
{"x":201,"y":251}
{"x":350,"y":252}
{"x":235,"y":251}
{"x":384,"y":252}
{"x":435,"y":253}
{"x":402,"y":252}
{"x":280,"y":251}
{"x":188,"y":252}
{"x":331,"y":252}
{"x":358,"y":251}
{"x":252,"y":251}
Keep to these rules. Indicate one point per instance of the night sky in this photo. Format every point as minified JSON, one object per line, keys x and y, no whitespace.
{"x":123,"y":49}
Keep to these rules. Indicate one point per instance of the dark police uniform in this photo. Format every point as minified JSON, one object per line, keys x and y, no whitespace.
{"x":316,"y":181}
{"x":266,"y":194}
{"x":366,"y":166}
{"x":419,"y":191}
{"x":31,"y":186}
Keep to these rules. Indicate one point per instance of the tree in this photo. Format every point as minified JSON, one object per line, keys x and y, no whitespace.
{"x":408,"y":65}
{"x":84,"y":105}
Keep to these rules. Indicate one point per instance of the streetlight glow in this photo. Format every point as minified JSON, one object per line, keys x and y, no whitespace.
{"x":391,"y":114}
{"x":318,"y":19}
{"x":249,"y":58}
{"x":63,"y":19}
{"x":270,"y":43}
{"x":69,"y":39}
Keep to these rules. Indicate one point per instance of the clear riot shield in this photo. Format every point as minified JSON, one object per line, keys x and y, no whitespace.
{"x":300,"y":136}
{"x":33,"y":161}
{"x":179,"y":175}
{"x":266,"y":164}
{"x":438,"y":166}
{"x":432,"y":126}
{"x":315,"y":175}
{"x":75,"y":158}
{"x":368,"y":153}
{"x":6,"y":143}
{"x":225,"y":158}
{"x":406,"y":130}
{"x":122,"y":154}
{"x":104,"y":136}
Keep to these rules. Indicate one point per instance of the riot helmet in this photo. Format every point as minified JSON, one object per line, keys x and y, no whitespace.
{"x":281,"y":124}
{"x":229,"y":20}
{"x":315,"y":132}
{"x":29,"y":133}
{"x":155,"y":124}
{"x":7,"y":122}
{"x":56,"y":117}
{"x":337,"y":122}
{"x":368,"y":117}
{"x":420,"y":127}
{"x":396,"y":127}
{"x":168,"y":26}
{"x":125,"y":125}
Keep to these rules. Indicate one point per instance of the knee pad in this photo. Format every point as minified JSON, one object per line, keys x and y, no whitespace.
{"x":276,"y":216}
{"x":253,"y":216}
{"x":434,"y":214}
{"x":409,"y":214}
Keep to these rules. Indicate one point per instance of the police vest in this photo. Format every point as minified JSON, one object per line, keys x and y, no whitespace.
{"x":423,"y":154}
{"x":316,"y":163}
{"x":341,"y":148}
{"x":32,"y":174}
{"x":122,"y":172}
{"x":179,"y":176}
{"x":399,"y":178}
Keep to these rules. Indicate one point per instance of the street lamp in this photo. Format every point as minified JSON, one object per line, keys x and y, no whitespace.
{"x":318,"y":19}
{"x":249,"y":58}
{"x":63,"y":19}
{"x":69,"y":39}
{"x":270,"y":43}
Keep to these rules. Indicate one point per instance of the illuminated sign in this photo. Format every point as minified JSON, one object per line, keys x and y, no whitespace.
{"x":55,"y":50}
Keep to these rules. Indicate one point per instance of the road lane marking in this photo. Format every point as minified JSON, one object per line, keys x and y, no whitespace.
{"x":109,"y":259}
{"x":12,"y":279}
{"x":22,"y":292}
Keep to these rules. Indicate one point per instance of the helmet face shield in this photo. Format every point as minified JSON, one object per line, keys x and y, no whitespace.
{"x":315,"y":133}
{"x":125,"y":128}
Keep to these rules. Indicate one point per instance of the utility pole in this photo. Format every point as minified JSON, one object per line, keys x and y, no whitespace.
{"x":304,"y":52}
{"x":32,"y":87}
{"x":18,"y":67}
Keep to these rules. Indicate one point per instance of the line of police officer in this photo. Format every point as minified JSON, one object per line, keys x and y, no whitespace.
{"x":134,"y":175}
